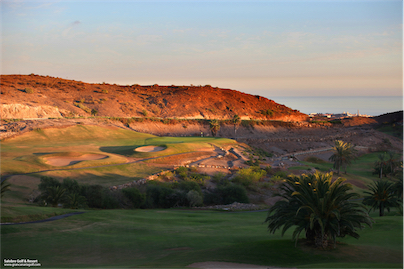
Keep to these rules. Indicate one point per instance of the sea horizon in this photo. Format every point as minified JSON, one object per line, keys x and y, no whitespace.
{"x":366,"y":105}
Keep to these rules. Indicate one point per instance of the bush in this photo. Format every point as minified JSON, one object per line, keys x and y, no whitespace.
{"x":83,"y":107}
{"x":28,"y":90}
{"x":220,"y":179}
{"x":198,"y":178}
{"x":182,"y":172}
{"x":194,"y":198}
{"x":159,"y":197}
{"x":227,"y":195}
{"x":135,"y":196}
{"x":188,"y":186}
{"x":267,"y":112}
{"x":248,"y":176}
{"x":281,"y":174}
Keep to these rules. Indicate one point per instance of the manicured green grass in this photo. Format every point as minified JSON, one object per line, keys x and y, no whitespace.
{"x":172,"y":238}
{"x":359,"y":173}
{"x":28,"y":152}
{"x":17,"y":214}
{"x":300,"y":168}
{"x":107,"y":176}
{"x":393,"y":130}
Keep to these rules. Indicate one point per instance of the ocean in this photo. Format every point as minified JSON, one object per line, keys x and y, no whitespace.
{"x":367,"y":105}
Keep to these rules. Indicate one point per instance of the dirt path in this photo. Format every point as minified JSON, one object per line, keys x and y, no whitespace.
{"x":46,"y":220}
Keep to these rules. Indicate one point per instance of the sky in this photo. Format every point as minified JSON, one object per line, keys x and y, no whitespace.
{"x":269,"y":48}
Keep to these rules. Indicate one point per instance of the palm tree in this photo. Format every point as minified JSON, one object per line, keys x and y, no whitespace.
{"x":344,"y":154}
{"x":4,"y":186}
{"x":236,"y":121}
{"x":386,"y":164}
{"x":319,"y":207}
{"x":54,"y":195}
{"x":214,"y":126}
{"x":381,"y":196}
{"x":75,"y":200}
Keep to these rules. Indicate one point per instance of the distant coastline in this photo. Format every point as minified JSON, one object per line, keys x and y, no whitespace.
{"x":370,"y":105}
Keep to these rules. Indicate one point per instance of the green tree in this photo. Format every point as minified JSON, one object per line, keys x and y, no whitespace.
{"x":344,"y":154}
{"x":214,"y":126}
{"x":5,"y":186}
{"x":47,"y":182}
{"x":321,"y":208}
{"x":94,"y":112}
{"x":381,"y":196}
{"x":54,"y":195}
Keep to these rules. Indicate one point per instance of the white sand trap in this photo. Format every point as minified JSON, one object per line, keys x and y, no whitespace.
{"x":149,"y":149}
{"x":64,"y":161}
{"x":210,"y":265}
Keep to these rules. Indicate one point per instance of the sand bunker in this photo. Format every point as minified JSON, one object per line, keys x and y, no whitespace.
{"x":65,"y":161}
{"x":150,"y":149}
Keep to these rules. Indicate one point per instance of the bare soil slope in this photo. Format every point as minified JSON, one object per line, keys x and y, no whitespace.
{"x":22,"y":94}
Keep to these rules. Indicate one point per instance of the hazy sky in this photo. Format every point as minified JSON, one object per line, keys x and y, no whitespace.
{"x":270,"y":48}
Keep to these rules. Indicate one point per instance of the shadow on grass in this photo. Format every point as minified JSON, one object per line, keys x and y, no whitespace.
{"x":121,"y":150}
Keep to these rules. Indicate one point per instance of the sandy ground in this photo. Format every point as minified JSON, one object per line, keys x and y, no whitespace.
{"x":204,"y":265}
{"x":149,"y":149}
{"x":64,"y":161}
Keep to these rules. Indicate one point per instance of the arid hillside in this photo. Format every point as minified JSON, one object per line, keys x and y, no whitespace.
{"x":34,"y":96}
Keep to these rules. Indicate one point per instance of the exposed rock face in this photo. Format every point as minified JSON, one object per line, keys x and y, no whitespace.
{"x":20,"y":111}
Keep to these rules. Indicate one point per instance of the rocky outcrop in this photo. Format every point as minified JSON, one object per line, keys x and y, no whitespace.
{"x":20,"y":111}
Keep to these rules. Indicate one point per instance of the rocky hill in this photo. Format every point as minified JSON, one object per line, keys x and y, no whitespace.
{"x":34,"y":96}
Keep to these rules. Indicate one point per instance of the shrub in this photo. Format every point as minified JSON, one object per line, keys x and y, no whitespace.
{"x":28,"y":90}
{"x":135,"y":196}
{"x":182,"y":172}
{"x":194,"y":198}
{"x":159,"y":197}
{"x":198,"y":178}
{"x":281,"y":174}
{"x":168,"y":176}
{"x":144,"y":112}
{"x":267,"y":112}
{"x":83,"y":107}
{"x":188,"y":186}
{"x":105,"y":91}
{"x":268,"y":169}
{"x":227,"y":195}
{"x":247,"y":176}
{"x":220,"y":179}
